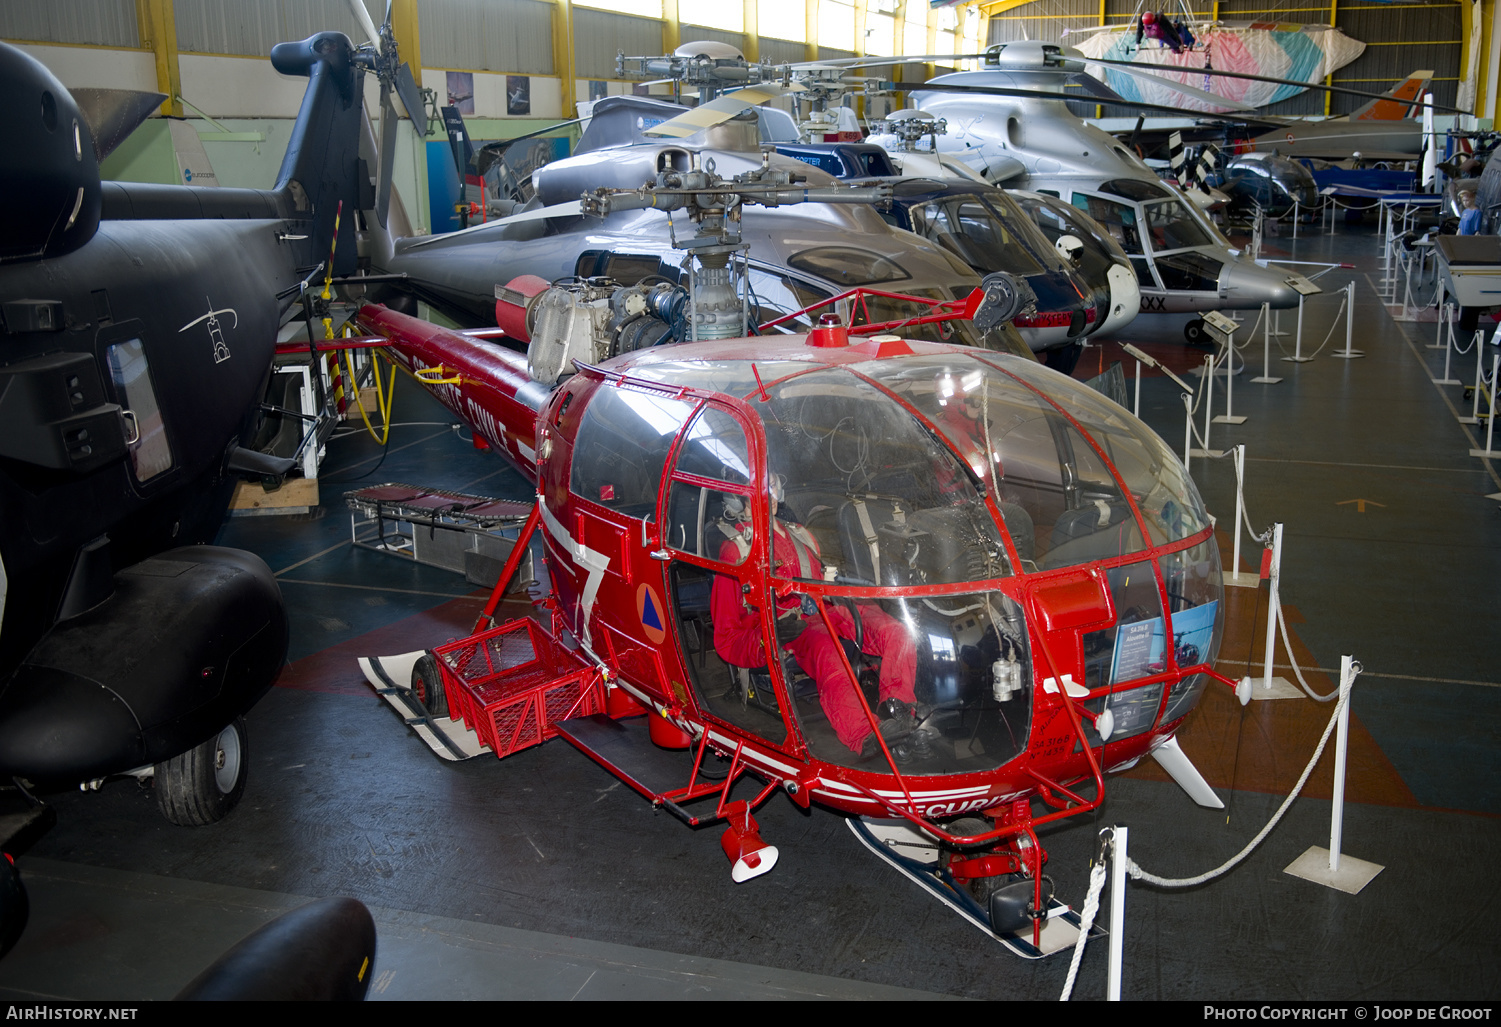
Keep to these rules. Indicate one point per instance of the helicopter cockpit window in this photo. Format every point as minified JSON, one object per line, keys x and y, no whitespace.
{"x":1136,"y":189}
{"x":846,"y":266}
{"x":775,"y":295}
{"x":621,"y":448}
{"x":702,"y":518}
{"x":883,"y":501}
{"x":1173,"y":226}
{"x":1195,"y":591}
{"x":150,"y":453}
{"x":1167,"y":498}
{"x":1190,"y":270}
{"x":1118,"y":219}
{"x":973,"y":232}
{"x":1060,"y":502}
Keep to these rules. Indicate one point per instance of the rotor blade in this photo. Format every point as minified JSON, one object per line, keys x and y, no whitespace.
{"x":372,"y":34}
{"x":1145,"y":72}
{"x":1052,"y":94}
{"x":557,"y":210}
{"x":411,"y":98}
{"x":876,"y":62}
{"x":720,"y":109}
{"x":1343,"y":90}
{"x":387,"y":156}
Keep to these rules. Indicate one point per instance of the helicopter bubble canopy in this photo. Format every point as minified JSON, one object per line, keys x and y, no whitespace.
{"x":943,"y":487}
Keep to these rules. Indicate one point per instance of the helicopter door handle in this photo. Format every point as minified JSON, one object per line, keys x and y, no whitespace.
{"x":661,"y":554}
{"x":133,"y":433}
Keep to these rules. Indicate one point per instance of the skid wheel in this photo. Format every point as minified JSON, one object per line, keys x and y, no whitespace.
{"x":202,"y":785}
{"x":427,"y":686}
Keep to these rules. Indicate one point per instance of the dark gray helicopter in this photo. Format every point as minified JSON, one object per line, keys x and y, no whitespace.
{"x":797,"y":258}
{"x":139,"y":324}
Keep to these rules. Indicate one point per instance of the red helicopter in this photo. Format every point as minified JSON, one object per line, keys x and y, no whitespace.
{"x":937,"y":588}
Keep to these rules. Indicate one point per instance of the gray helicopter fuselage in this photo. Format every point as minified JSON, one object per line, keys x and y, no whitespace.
{"x":799,"y":254}
{"x":1188,"y":267}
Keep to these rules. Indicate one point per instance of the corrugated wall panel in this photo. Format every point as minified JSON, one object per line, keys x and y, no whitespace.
{"x":253,"y":27}
{"x":782,"y":51}
{"x":599,"y":36}
{"x":487,"y":35}
{"x":97,"y":22}
{"x":1046,"y":21}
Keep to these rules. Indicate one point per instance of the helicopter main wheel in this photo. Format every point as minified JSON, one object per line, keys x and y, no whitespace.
{"x":200,"y":786}
{"x":1194,"y":332}
{"x":427,"y":686}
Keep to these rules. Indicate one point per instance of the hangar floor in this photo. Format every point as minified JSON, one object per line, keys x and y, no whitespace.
{"x":541,"y":877}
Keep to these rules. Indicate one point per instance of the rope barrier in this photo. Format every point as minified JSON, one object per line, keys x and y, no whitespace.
{"x":1139,"y":874}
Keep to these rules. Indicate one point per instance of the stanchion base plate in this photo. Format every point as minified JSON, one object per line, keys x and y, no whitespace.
{"x":1296,"y":360}
{"x":1348,"y":355}
{"x":1353,"y":874}
{"x":1264,"y":380}
{"x":1490,"y":453}
{"x":1468,"y":420}
{"x":1280,"y":688}
{"x":1446,"y":381}
{"x":1241,"y":579}
{"x":1229,"y":419}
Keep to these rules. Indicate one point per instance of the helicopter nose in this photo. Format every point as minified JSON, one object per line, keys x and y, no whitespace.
{"x":1125,"y":297}
{"x":1248,"y":285}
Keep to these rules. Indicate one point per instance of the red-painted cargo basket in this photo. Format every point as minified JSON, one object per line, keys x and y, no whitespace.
{"x":510,"y":684}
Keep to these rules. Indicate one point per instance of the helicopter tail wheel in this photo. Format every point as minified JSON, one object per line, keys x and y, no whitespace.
{"x":749,"y":855}
{"x":1194,"y":332}
{"x":202,"y":785}
{"x":427,"y":686}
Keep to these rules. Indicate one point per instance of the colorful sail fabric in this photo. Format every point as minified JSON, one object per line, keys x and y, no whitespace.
{"x":1304,"y":53}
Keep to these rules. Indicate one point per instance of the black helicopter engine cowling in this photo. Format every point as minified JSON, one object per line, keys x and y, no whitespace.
{"x":187,"y":641}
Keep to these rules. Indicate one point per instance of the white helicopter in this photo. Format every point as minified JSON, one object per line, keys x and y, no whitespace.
{"x":1010,"y":123}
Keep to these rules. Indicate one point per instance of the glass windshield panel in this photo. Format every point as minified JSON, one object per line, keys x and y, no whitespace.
{"x":1195,"y":593}
{"x":711,"y":522}
{"x":970,"y":229}
{"x":1126,"y":650}
{"x":1118,"y":220}
{"x":622,"y":445}
{"x":961,"y":660}
{"x":881,"y":500}
{"x":1155,"y":477}
{"x":1173,"y":226}
{"x":1060,"y":503}
{"x":150,"y":453}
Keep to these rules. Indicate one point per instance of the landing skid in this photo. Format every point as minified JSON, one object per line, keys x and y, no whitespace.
{"x":918,"y":857}
{"x":447,"y":737}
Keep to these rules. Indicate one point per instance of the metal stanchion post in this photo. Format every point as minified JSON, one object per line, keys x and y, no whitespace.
{"x":1298,"y":357}
{"x":1446,"y":332}
{"x":1118,"y":860}
{"x":1490,"y":419}
{"x":1476,"y":341}
{"x":1266,"y":377}
{"x":1330,"y":868}
{"x":1347,"y":353}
